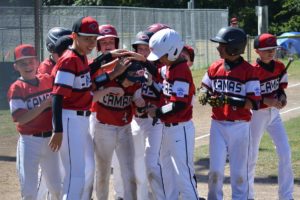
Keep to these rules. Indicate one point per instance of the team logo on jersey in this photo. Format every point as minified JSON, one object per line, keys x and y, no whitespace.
{"x":147,"y":91}
{"x":221,"y":85}
{"x":36,"y":101}
{"x":167,"y":88}
{"x":114,"y":101}
{"x":269,"y":86}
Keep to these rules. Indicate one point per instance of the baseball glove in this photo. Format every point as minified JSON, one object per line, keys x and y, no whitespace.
{"x":203,"y":95}
{"x":216,"y":100}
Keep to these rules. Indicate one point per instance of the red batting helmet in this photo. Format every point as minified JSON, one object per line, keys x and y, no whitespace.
{"x":156,"y":27}
{"x":106,"y":31}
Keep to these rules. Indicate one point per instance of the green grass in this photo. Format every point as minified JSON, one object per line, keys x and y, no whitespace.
{"x":267,"y":160}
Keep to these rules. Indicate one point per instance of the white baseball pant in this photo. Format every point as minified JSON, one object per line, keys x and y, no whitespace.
{"x":107,"y":139}
{"x":231,"y":137}
{"x":74,"y":154}
{"x":117,"y":179}
{"x":269,"y":119}
{"x":32,"y":152}
{"x":178,"y":143}
{"x":147,"y":142}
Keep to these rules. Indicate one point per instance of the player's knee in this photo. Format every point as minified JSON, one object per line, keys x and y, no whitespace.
{"x":215,"y":177}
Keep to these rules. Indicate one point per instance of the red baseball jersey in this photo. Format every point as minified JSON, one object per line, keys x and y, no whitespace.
{"x":46,"y":66}
{"x":272,"y":77}
{"x":178,"y":85}
{"x":240,"y":82}
{"x":24,"y":96}
{"x":73,"y":81}
{"x":116,"y":110}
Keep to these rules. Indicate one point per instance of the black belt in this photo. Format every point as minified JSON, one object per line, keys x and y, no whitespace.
{"x":43,"y":134}
{"x":85,"y":113}
{"x":171,"y":124}
{"x":144,"y":116}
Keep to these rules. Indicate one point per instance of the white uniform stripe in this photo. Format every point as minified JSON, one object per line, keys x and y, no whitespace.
{"x":284,"y":78}
{"x":64,"y":78}
{"x":253,"y":87}
{"x":16,"y":104}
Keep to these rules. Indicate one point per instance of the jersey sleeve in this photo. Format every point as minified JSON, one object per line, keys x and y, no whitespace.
{"x":252,"y":85}
{"x":17,"y":105}
{"x":181,"y":85}
{"x":283,"y":82}
{"x":206,"y":81}
{"x":65,"y":77}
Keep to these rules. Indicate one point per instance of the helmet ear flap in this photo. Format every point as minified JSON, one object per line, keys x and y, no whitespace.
{"x":50,"y":47}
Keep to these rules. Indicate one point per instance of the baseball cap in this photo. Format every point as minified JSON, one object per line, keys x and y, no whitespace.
{"x":234,"y":20}
{"x":165,"y":41}
{"x":265,"y":41}
{"x":24,"y":51}
{"x":86,"y":26}
{"x":190,"y":51}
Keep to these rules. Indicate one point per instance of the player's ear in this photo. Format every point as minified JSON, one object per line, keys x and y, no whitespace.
{"x":74,"y":36}
{"x":15,"y":66}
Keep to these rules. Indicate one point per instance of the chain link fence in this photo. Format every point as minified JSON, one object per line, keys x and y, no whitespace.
{"x":196,"y":26}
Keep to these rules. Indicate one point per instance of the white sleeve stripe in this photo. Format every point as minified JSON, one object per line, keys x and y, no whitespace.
{"x":206,"y":80}
{"x":65,"y":78}
{"x":253,"y":87}
{"x":181,"y":88}
{"x":15,"y":104}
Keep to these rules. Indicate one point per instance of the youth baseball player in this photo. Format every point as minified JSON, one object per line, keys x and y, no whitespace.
{"x":113,"y":131}
{"x":232,"y":90}
{"x":146,"y":135}
{"x":53,"y":35}
{"x":30,"y":105}
{"x":71,"y":102}
{"x":273,"y":80}
{"x":176,"y":113}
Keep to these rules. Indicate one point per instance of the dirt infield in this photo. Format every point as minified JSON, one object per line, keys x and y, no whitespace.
{"x":266,"y":187}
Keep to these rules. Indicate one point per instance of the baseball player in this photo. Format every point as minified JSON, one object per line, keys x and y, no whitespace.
{"x":53,"y":35}
{"x":113,"y":131}
{"x":71,"y":102}
{"x":273,"y":81}
{"x":30,"y":105}
{"x":176,"y":112}
{"x":146,"y":135}
{"x":232,"y":90}
{"x":188,"y":54}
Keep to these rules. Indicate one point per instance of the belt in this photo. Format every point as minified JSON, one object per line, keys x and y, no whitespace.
{"x":85,"y":113}
{"x":43,"y":134}
{"x":144,"y":116}
{"x":229,"y":120}
{"x":171,"y":124}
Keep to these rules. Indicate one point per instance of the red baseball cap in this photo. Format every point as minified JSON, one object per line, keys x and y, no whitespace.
{"x":86,"y":26}
{"x":190,"y":51}
{"x":265,"y":41}
{"x":24,"y":51}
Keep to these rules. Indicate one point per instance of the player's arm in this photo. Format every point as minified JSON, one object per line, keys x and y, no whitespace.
{"x":56,"y":139}
{"x":29,"y":115}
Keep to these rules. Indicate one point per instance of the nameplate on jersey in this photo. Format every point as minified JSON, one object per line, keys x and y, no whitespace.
{"x":269,"y":86}
{"x":114,"y":101}
{"x":228,"y":86}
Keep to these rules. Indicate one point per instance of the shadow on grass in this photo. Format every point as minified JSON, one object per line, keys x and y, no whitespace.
{"x":8,"y":158}
{"x":202,"y":167}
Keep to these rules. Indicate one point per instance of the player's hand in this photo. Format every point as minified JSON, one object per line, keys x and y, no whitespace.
{"x":140,"y":102}
{"x":152,"y":111}
{"x":273,"y":102}
{"x":121,"y":66}
{"x":136,"y":56}
{"x":117,"y":53}
{"x":47,"y":103}
{"x":283,"y":100}
{"x":55,"y":141}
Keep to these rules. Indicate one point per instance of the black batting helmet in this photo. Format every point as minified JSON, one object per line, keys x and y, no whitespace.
{"x":142,"y":37}
{"x":235,"y":40}
{"x":53,"y":35}
{"x":134,"y":73}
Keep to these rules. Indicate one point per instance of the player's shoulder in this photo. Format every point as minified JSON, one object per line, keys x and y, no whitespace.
{"x":15,"y":88}
{"x":44,"y":77}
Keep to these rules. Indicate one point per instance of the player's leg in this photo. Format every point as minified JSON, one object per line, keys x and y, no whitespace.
{"x":28,"y":156}
{"x":217,"y":153}
{"x":51,"y":170}
{"x":72,"y":154}
{"x":285,"y":172}
{"x":152,"y":158}
{"x":139,"y":159}
{"x":258,"y":125}
{"x":43,"y":192}
{"x":125,"y":154}
{"x":89,"y":165}
{"x":168,"y":171}
{"x":237,"y":137}
{"x":116,"y":178}
{"x":181,"y":143}
{"x":105,"y":140}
